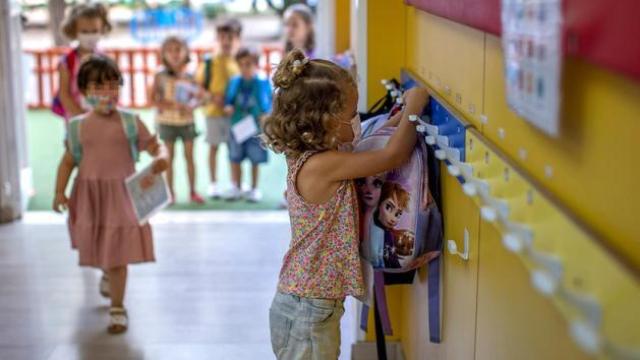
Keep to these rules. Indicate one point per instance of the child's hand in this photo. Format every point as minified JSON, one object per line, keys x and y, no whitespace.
{"x":147,"y":182}
{"x":416,"y":96}
{"x":228,"y":110}
{"x":159,"y":166}
{"x":60,"y":203}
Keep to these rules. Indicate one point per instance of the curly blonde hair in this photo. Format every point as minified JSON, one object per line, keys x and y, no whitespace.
{"x":310,"y":95}
{"x":91,"y":11}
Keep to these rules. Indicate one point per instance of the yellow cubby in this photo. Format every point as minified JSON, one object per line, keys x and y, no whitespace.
{"x":595,"y":294}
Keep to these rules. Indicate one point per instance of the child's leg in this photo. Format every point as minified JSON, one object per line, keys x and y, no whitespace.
{"x":255,"y":172}
{"x":236,"y":174}
{"x":213,"y":163}
{"x":171,"y":151}
{"x":117,"y":283}
{"x":191,"y":168}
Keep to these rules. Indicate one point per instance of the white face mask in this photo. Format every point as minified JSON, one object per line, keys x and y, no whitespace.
{"x":356,"y":125}
{"x":89,"y":41}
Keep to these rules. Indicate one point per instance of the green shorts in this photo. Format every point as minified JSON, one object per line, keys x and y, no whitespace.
{"x":171,"y":133}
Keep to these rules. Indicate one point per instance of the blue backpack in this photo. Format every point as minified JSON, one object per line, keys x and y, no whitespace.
{"x":129,"y":125}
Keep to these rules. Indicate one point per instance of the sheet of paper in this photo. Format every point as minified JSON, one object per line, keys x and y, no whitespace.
{"x":147,"y":202}
{"x":532,"y":44}
{"x":245,"y":129}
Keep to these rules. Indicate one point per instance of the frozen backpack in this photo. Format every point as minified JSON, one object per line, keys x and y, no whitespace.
{"x":129,"y":125}
{"x":400,"y":227}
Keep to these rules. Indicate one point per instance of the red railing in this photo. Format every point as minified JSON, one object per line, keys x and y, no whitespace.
{"x":138,"y":66}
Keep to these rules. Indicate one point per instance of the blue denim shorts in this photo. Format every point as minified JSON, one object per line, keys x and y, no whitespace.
{"x":251,"y":149}
{"x":304,"y":328}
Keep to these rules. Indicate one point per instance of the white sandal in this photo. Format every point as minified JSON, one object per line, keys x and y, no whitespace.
{"x":118,"y":320}
{"x":105,"y":289}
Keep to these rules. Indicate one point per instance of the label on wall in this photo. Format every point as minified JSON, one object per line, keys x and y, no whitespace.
{"x":531,"y":38}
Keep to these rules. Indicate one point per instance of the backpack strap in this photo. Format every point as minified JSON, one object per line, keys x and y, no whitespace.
{"x":73,"y":138}
{"x":130,"y":126}
{"x":208,"y":72}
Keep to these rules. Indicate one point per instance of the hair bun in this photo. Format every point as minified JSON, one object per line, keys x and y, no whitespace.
{"x":290,"y":68}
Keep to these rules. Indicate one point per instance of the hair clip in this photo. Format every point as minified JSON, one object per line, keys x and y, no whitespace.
{"x":299,"y":63}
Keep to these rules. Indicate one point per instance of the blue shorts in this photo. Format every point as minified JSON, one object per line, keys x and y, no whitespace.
{"x":251,"y":149}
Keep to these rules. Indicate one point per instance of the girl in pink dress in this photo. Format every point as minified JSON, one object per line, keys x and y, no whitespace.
{"x":102,"y":223}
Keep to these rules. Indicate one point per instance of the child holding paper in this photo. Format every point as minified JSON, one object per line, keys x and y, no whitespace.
{"x":103,"y":144}
{"x":248,"y":101}
{"x":176,"y":95}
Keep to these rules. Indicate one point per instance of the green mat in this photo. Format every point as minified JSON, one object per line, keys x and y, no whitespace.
{"x":46,"y":132}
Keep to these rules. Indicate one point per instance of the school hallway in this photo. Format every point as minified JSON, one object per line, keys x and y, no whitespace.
{"x":206,"y":297}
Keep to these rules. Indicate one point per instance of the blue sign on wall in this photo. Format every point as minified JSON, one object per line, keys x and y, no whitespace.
{"x":153,"y":25}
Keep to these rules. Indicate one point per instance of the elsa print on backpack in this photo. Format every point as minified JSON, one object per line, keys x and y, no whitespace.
{"x":397,"y":231}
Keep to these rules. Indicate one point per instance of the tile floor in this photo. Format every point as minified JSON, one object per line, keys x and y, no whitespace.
{"x":207,"y":297}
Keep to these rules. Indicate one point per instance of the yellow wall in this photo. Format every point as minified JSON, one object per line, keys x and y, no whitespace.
{"x":343,"y":28}
{"x":490,"y":309}
{"x":386,"y":44}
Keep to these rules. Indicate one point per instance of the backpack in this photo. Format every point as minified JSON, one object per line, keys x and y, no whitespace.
{"x":71,"y":59}
{"x":208,"y":72}
{"x":129,"y":125}
{"x":401,"y":229}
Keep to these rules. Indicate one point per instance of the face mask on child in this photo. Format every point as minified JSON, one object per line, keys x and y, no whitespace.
{"x":101,"y":104}
{"x":89,"y":41}
{"x":356,"y":127}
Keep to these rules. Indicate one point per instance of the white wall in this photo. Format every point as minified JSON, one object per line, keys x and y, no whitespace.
{"x":14,"y":170}
{"x":359,"y":46}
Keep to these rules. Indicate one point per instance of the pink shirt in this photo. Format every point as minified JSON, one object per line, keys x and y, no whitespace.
{"x":323,"y":259}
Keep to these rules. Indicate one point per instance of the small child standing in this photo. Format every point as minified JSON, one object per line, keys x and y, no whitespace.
{"x":248,"y":101}
{"x":102,"y":223}
{"x":86,"y":23}
{"x":214,"y":75}
{"x":175,"y":95}
{"x":314,"y":123}
{"x":299,"y":30}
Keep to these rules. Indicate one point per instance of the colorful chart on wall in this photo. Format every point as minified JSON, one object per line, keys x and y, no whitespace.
{"x":532,"y":42}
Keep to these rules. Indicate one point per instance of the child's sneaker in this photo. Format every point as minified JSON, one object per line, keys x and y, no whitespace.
{"x":196,"y":198}
{"x":254,"y":196}
{"x":234,"y":194}
{"x":214,"y":192}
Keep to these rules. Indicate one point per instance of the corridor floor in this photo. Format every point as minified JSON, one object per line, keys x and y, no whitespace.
{"x":206,"y":297}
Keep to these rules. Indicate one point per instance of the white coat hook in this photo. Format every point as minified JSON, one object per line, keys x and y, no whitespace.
{"x":441,"y":154}
{"x":588,"y":306}
{"x":453,"y":247}
{"x":546,"y":278}
{"x":489,"y":213}
{"x":586,"y":336}
{"x":453,"y":170}
{"x":517,"y":237}
{"x":470,"y":189}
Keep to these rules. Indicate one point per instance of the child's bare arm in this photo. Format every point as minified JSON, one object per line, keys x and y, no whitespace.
{"x":70,"y":106}
{"x":336,"y":165}
{"x":160,"y":154}
{"x":62,"y":180}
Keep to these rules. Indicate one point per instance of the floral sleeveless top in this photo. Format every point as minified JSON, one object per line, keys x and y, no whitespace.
{"x":323,"y":259}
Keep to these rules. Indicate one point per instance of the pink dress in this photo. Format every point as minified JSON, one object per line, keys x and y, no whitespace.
{"x":102,"y":222}
{"x":323,"y":260}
